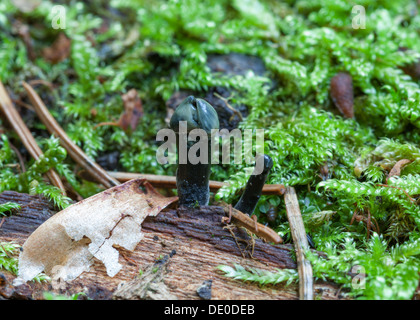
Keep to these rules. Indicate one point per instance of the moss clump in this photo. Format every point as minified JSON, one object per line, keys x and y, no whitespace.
{"x":160,"y":47}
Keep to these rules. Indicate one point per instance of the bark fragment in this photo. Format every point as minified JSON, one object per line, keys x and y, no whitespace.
{"x":149,"y":286}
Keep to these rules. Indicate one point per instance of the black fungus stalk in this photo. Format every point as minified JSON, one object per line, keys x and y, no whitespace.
{"x":254,"y":186}
{"x":192,"y":179}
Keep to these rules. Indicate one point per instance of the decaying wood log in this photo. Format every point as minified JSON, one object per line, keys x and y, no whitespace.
{"x":150,"y":285}
{"x":34,"y":211}
{"x":194,"y":242}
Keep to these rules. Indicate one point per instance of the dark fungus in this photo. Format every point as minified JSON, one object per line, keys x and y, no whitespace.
{"x":192,"y":179}
{"x":310,"y":241}
{"x":254,"y":186}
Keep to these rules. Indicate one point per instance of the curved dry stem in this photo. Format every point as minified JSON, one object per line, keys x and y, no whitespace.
{"x":300,"y":242}
{"x":25,"y":135}
{"x":170,"y":182}
{"x":96,"y":171}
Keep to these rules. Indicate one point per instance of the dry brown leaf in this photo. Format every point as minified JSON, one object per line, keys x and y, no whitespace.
{"x":133,"y":110}
{"x":341,"y":90}
{"x":59,"y":50}
{"x":65,"y":245}
{"x":396,"y":170}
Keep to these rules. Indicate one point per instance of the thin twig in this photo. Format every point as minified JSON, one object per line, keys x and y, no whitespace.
{"x":229,"y":228}
{"x":394,"y":187}
{"x":43,"y":82}
{"x":250,"y":224}
{"x":300,"y":241}
{"x":25,"y":135}
{"x":20,"y":158}
{"x":237,"y":112}
{"x":2,"y":221}
{"x":170,"y":182}
{"x":96,"y":171}
{"x":115,"y":124}
{"x":23,"y":104}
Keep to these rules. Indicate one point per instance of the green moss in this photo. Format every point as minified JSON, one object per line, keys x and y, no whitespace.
{"x":159,"y":47}
{"x":8,"y":261}
{"x":8,"y":207}
{"x":9,"y":252}
{"x":30,"y":181}
{"x":52,"y":296}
